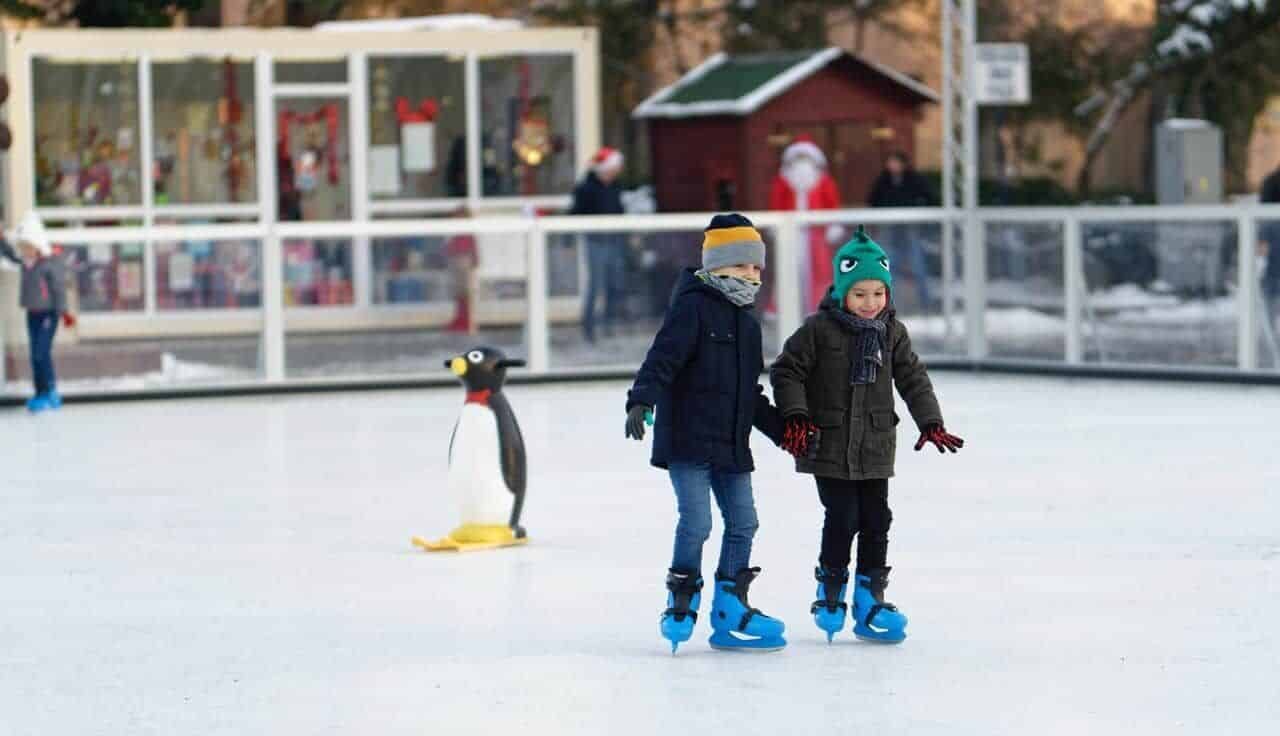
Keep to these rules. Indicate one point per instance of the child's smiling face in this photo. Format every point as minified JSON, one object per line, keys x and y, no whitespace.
{"x":866,"y":298}
{"x":748,"y":271}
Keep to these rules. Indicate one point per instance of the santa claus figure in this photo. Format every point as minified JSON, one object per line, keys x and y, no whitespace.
{"x":803,"y":184}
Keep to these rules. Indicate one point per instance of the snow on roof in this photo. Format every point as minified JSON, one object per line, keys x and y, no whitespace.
{"x":740,"y":85}
{"x":446,"y":22}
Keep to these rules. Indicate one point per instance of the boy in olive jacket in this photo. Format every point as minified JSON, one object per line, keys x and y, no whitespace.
{"x":834,"y":384}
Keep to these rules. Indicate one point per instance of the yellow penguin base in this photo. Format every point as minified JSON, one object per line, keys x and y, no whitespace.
{"x":472,"y":537}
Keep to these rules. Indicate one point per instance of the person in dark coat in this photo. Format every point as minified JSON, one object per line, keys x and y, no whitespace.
{"x":599,"y":194}
{"x":1271,"y":233}
{"x":834,"y":386}
{"x":702,"y":377}
{"x":900,"y":186}
{"x":44,"y":296}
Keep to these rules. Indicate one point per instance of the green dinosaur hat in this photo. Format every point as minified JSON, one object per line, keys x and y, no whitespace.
{"x":858,"y":260}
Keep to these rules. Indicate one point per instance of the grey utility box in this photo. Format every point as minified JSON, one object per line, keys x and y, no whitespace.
{"x":1189,"y":255}
{"x":1188,"y":162}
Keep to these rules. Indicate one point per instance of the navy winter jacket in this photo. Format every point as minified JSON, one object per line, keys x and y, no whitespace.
{"x":702,"y":375}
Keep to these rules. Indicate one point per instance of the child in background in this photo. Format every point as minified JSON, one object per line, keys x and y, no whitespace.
{"x":44,"y":296}
{"x":702,"y":376}
{"x":834,"y":386}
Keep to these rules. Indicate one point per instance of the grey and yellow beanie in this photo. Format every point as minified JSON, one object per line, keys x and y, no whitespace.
{"x":731,"y":240}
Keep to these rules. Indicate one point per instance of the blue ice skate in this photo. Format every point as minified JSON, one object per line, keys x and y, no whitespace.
{"x":55,"y":399}
{"x":736,"y":624}
{"x":38,"y":403}
{"x":873,"y":619}
{"x":830,"y":609}
{"x":683,"y":597}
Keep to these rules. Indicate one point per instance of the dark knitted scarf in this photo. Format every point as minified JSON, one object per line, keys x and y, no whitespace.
{"x":866,"y":342}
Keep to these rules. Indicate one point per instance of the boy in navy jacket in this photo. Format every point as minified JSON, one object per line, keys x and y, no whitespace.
{"x":702,"y":376}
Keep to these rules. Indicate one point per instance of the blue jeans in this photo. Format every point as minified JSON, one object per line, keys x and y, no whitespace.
{"x":606,"y":274}
{"x":41,"y":327}
{"x":694,"y":483}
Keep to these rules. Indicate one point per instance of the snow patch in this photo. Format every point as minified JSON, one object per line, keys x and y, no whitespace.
{"x":1183,"y":40}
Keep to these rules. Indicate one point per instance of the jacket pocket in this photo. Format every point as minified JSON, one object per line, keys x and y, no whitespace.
{"x":832,"y":437}
{"x":883,"y":421}
{"x":880,"y":444}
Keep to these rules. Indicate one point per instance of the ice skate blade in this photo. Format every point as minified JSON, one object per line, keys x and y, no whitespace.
{"x":449,"y":544}
{"x":727,"y":642}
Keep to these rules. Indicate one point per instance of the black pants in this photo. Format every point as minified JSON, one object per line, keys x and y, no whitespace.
{"x":855,"y":508}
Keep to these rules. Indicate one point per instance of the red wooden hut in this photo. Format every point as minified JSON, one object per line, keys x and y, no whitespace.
{"x":717,"y":134}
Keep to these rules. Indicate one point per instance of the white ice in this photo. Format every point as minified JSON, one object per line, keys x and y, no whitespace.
{"x":1102,"y":558}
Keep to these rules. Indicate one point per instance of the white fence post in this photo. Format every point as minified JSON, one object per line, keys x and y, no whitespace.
{"x":975,"y":280}
{"x":787,"y":280}
{"x":538,"y":332}
{"x":948,"y":276}
{"x":273,"y":307}
{"x":358,"y":137}
{"x":1247,"y":293}
{"x":1073,"y":288}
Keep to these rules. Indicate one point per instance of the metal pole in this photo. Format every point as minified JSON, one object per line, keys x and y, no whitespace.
{"x":948,"y":166}
{"x":146,"y":118}
{"x":948,"y":121}
{"x":1247,"y":294}
{"x":539,"y":333}
{"x":273,"y":363}
{"x":975,"y":266}
{"x":358,"y":141}
{"x":471,"y":81}
{"x":1073,"y":288}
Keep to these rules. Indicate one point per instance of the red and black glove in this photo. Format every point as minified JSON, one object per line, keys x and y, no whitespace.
{"x":68,"y":319}
{"x":798,"y":435}
{"x":940,"y":438}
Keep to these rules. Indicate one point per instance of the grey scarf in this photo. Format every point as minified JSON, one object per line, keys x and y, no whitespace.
{"x":739,"y":291}
{"x":866,"y":343}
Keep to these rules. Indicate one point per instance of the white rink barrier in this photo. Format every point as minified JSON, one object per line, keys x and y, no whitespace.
{"x":1171,"y":289}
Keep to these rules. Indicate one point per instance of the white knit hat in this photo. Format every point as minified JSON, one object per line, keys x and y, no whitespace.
{"x":804,"y":146}
{"x":31,"y":231}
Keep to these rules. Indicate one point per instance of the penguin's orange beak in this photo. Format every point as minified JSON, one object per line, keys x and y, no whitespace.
{"x":458,"y":366}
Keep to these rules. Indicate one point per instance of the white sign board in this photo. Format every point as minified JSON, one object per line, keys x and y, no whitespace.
{"x":419,"y":147}
{"x":1001,"y":74}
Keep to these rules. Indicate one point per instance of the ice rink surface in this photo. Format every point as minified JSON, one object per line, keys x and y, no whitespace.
{"x":1102,"y":558}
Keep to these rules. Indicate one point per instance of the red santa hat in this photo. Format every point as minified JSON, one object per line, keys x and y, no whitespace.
{"x":606,"y":159}
{"x":803,"y":145}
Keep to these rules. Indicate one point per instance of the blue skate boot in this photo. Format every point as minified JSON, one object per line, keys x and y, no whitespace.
{"x":873,"y":619}
{"x":830,"y":609}
{"x":736,"y":624}
{"x":54,"y":398}
{"x":683,"y":597}
{"x":38,"y":403}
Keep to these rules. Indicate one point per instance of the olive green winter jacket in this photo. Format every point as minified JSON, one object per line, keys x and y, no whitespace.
{"x":857,"y":423}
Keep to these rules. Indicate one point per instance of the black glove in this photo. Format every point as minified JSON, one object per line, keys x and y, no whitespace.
{"x":635,"y":421}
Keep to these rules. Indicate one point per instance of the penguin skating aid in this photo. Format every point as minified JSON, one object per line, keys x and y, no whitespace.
{"x":487,"y":470}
